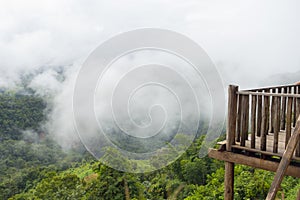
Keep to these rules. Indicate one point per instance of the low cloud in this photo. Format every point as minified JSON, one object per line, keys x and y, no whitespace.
{"x":249,"y":41}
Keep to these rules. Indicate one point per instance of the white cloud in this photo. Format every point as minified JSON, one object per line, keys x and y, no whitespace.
{"x":248,"y":40}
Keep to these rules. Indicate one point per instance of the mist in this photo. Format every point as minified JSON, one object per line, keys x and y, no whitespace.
{"x":252,"y":43}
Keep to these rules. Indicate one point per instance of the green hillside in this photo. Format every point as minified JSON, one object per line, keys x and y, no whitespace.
{"x":33,"y":166}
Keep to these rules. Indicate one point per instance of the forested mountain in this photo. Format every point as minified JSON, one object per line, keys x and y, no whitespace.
{"x":33,"y":166}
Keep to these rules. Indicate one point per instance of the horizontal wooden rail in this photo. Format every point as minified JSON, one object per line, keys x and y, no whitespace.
{"x":272,"y":87}
{"x":261,"y":153}
{"x":268,"y":94}
{"x":252,"y":161}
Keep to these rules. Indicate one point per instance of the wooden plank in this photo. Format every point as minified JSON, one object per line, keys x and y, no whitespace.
{"x":239,"y":119}
{"x":222,"y":142}
{"x":272,"y":114}
{"x":259,"y":115}
{"x":268,"y":113}
{"x":252,"y":162}
{"x":270,"y":142}
{"x":231,"y":116}
{"x":264,"y":123}
{"x":297,"y":115}
{"x":231,"y":130}
{"x":284,"y":163}
{"x":289,"y":120}
{"x":253,"y":121}
{"x":295,"y":106}
{"x":245,"y":119}
{"x":247,"y":116}
{"x":279,"y":106}
{"x":276,"y":123}
{"x":283,"y":110}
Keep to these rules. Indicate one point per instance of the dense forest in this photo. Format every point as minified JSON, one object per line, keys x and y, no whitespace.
{"x":34,"y":166}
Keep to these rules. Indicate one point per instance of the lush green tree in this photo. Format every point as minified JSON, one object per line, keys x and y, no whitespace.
{"x":19,"y":112}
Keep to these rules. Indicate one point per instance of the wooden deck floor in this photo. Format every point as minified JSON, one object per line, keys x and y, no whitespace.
{"x":270,"y":140}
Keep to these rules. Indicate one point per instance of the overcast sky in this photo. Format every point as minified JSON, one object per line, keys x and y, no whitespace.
{"x":244,"y":38}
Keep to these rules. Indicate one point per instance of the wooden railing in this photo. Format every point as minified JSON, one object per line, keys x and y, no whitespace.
{"x":264,"y":114}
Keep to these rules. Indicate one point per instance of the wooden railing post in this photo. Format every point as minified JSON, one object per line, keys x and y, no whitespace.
{"x":276,"y":123}
{"x":297,"y":115}
{"x":283,"y":110}
{"x":245,"y":120}
{"x":239,"y":118}
{"x":230,"y":140}
{"x":289,"y":120}
{"x":265,"y":120}
{"x":267,"y":100}
{"x":295,"y":106}
{"x":253,"y":120}
{"x":259,"y":115}
{"x":272,"y":116}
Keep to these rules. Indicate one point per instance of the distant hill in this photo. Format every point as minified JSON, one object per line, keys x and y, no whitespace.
{"x":281,"y":79}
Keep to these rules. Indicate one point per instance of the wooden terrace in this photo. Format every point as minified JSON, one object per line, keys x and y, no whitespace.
{"x":262,"y":132}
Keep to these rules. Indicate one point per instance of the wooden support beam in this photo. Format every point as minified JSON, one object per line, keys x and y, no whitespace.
{"x":229,"y":181}
{"x":230,"y":140}
{"x":252,"y":162}
{"x":231,"y":116}
{"x":285,"y":161}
